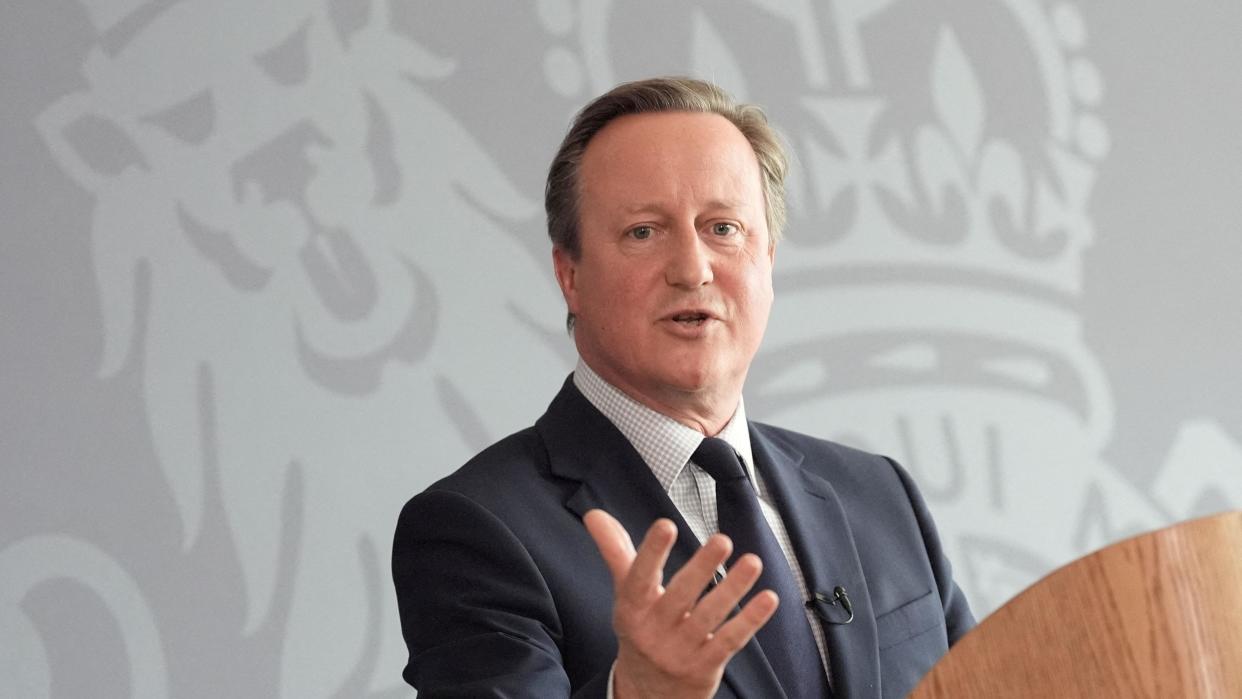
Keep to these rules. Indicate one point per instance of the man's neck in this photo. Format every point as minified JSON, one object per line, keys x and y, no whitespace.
{"x":664,"y":443}
{"x":706,"y":411}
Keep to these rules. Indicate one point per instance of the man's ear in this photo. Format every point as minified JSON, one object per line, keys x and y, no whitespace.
{"x":566,"y":268}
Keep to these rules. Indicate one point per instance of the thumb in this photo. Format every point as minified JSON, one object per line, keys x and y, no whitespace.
{"x":613,"y":542}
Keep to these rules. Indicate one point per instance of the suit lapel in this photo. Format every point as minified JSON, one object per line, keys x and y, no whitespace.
{"x":824,"y":545}
{"x":585,"y":446}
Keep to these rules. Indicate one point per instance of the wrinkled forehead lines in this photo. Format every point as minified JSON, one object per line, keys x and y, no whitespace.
{"x":660,"y":135}
{"x":655,"y":157}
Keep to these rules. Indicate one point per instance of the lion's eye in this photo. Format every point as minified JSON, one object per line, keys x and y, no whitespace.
{"x":641,"y":232}
{"x":191,"y":120}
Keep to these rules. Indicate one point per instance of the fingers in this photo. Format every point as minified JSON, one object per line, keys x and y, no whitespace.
{"x":644,"y":583}
{"x":637,"y":575}
{"x":676,"y":639}
{"x":737,"y":632}
{"x":704,"y":623}
{"x":718,"y":604}
{"x":648,"y":564}
{"x":685,"y":587}
{"x":634,"y":573}
{"x":613,"y":542}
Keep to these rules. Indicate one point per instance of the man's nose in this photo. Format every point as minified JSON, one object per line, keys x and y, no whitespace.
{"x":689,"y":262}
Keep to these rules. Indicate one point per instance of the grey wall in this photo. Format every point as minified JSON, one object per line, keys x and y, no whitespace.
{"x":267,"y":272}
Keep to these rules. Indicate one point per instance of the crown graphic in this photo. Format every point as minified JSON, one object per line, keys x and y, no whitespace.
{"x":938,"y":244}
{"x":948,"y":193}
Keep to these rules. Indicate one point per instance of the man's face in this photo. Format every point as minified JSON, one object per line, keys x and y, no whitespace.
{"x":673,"y":285}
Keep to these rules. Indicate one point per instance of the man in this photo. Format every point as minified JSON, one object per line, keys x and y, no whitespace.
{"x":516,"y":575}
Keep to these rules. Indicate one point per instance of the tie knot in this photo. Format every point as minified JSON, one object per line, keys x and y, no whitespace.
{"x":719,"y":460}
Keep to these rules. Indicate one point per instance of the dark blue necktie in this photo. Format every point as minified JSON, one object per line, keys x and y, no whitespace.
{"x":786,"y":639}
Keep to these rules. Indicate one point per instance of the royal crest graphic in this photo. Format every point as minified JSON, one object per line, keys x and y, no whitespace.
{"x":310,"y":261}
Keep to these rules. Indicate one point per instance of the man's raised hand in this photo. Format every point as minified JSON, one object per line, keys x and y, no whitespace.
{"x":670,"y":641}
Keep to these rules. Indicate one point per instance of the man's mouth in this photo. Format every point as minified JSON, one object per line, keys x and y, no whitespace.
{"x":691,"y":318}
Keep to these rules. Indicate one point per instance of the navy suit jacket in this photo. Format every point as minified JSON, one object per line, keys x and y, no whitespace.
{"x":502,"y":592}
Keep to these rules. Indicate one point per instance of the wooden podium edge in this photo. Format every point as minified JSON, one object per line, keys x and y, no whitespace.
{"x":1156,"y":614}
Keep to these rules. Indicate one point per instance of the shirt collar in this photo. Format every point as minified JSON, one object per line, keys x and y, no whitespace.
{"x":663,"y":443}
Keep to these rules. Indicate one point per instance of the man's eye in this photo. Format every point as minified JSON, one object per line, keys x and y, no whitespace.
{"x":723,"y":229}
{"x":641,"y":232}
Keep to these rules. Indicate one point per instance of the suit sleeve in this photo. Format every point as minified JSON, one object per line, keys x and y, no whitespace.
{"x":476,"y":614}
{"x":957,"y":615}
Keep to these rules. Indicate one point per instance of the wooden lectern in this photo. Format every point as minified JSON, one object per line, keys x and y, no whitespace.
{"x":1159,"y":616}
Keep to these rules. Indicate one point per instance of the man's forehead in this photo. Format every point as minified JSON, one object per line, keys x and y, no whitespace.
{"x":664,"y":164}
{"x":651,"y":130}
{"x":678,"y":142}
